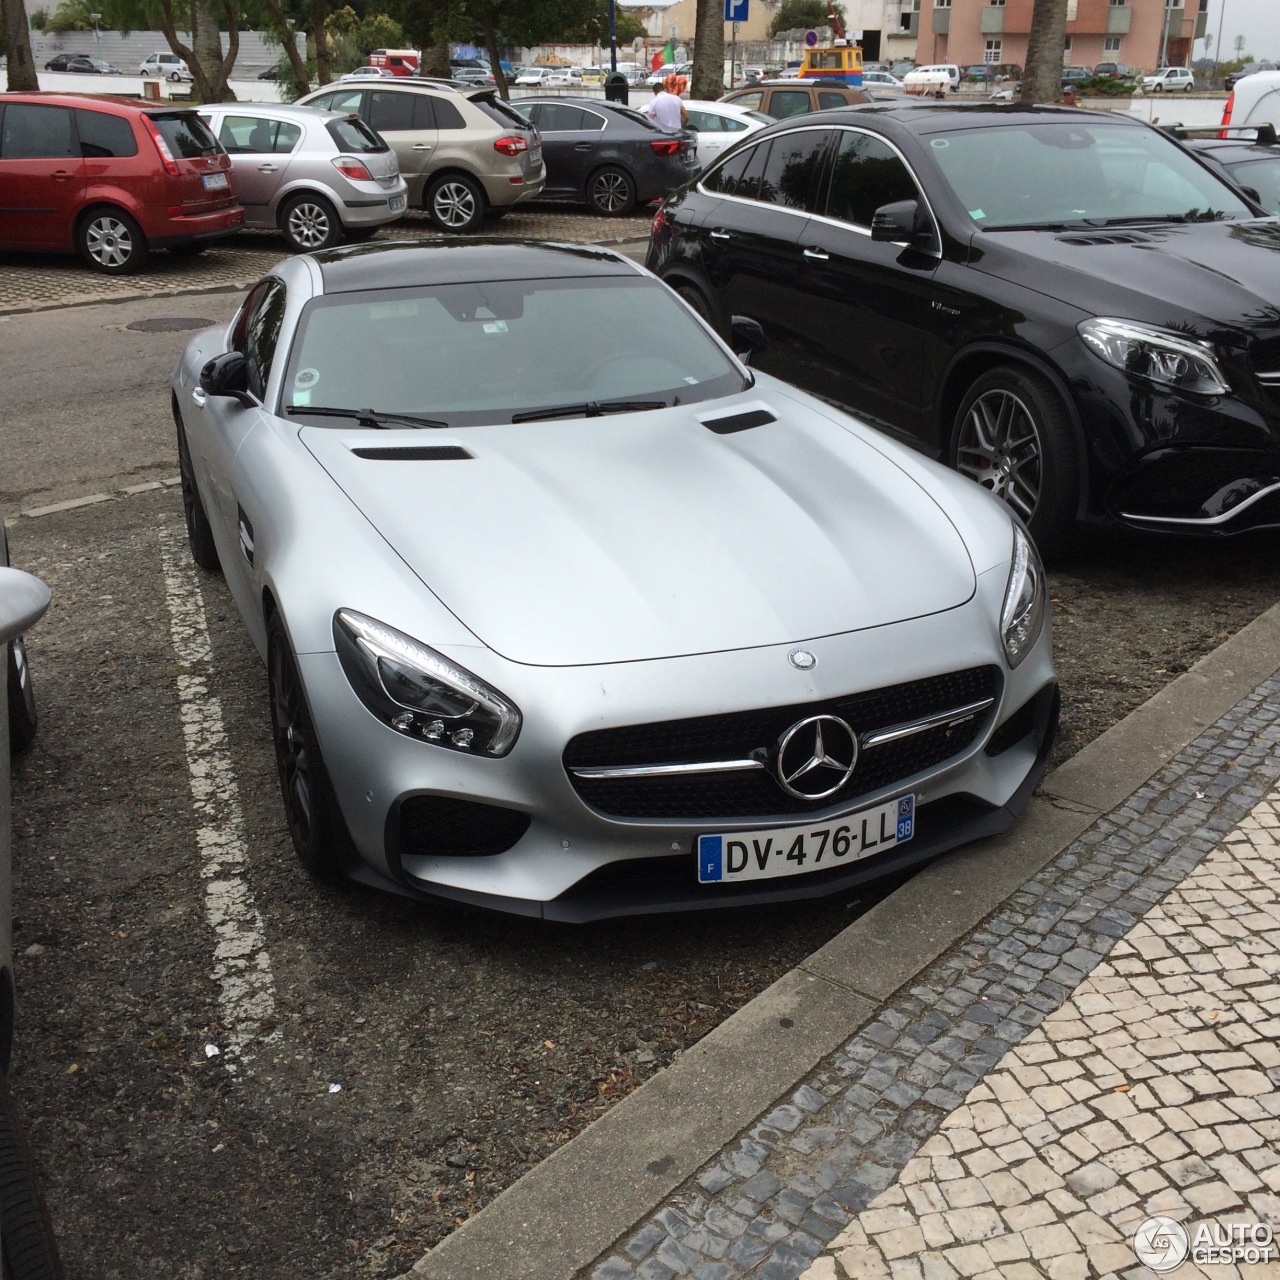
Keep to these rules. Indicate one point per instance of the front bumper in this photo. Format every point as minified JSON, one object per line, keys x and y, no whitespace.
{"x":571,"y":862}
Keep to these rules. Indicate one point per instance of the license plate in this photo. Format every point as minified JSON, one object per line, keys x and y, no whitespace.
{"x":395,"y":204}
{"x":215,"y":181}
{"x":535,"y":156}
{"x":794,"y":851}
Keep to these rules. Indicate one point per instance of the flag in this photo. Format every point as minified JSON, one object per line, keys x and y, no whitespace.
{"x":664,"y":56}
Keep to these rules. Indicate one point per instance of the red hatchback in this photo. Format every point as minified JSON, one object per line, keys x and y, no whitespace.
{"x":110,"y":178}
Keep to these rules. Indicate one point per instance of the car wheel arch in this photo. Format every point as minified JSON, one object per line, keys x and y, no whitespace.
{"x":451,"y":170}
{"x":679,"y":276}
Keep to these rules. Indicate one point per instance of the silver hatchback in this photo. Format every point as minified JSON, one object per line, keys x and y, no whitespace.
{"x":319,"y":176}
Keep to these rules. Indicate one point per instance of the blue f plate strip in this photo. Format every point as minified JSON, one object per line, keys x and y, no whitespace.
{"x":711,"y":857}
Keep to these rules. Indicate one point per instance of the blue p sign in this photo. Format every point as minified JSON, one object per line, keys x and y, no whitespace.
{"x":735,"y":10}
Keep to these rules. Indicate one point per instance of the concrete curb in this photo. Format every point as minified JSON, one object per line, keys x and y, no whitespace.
{"x":562,"y":1215}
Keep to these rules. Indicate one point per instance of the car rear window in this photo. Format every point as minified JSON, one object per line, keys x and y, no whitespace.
{"x":352,"y":134}
{"x":187,"y":135}
{"x":499,"y":111}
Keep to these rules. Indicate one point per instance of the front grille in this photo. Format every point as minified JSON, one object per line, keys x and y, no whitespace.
{"x":740,"y":734}
{"x":444,"y":827}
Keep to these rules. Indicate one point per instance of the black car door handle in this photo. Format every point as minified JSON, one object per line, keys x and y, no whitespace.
{"x":583,"y":146}
{"x":820,"y":254}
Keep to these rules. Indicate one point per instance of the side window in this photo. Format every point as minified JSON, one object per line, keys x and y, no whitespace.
{"x":33,"y":132}
{"x":748,"y":186}
{"x":257,"y":331}
{"x":448,"y":116}
{"x":728,"y":125}
{"x":245,"y":134}
{"x":786,"y":103}
{"x":389,"y":112}
{"x":287,"y":136}
{"x":556,"y":117}
{"x":829,"y":101}
{"x":325,"y":102}
{"x":726,"y":177}
{"x":750,"y":101}
{"x":794,"y":160}
{"x":867,"y":174}
{"x":104,"y":135}
{"x":424,"y":114}
{"x":589,"y":120}
{"x":348,"y":100}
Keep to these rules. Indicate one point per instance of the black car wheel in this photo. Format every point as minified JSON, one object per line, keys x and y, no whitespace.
{"x":310,"y":222}
{"x":110,"y":241}
{"x":611,"y":192}
{"x":309,"y":804}
{"x":22,"y":705}
{"x":199,"y":533}
{"x":456,"y":202}
{"x":1013,"y":436}
{"x":26,"y":1234}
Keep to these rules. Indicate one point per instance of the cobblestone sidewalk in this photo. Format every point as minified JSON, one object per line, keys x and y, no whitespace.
{"x":1102,"y":1050}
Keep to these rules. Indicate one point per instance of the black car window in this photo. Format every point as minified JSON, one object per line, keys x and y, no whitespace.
{"x":792,"y":166}
{"x":786,"y":103}
{"x":186,"y":135}
{"x":259,"y":327}
{"x":352,"y":134}
{"x":447,"y":115}
{"x":748,"y":185}
{"x":32,"y":132}
{"x":424,"y":111}
{"x":1264,"y":177}
{"x":104,"y":135}
{"x":727,"y":178}
{"x":497,"y":110}
{"x":390,"y":111}
{"x":828,"y":101}
{"x":558,"y":117}
{"x":867,"y":173}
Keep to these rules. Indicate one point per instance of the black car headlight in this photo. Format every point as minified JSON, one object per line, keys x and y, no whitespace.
{"x":1170,"y":359}
{"x":419,"y":692}
{"x":1022,"y":614}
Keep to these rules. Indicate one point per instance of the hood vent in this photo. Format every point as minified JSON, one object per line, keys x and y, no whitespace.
{"x":1106,"y":237}
{"x":726,"y":426}
{"x":415,"y":453}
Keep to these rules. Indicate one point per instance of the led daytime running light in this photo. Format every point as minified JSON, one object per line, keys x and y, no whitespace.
{"x":1169,"y":359}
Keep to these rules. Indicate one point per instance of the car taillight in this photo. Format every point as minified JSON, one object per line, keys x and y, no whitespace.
{"x":166,"y":156}
{"x":665,"y":148}
{"x":1226,"y":112}
{"x":352,"y":168}
{"x":659,"y":221}
{"x":511,"y":145}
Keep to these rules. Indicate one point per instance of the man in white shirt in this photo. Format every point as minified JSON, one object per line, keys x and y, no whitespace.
{"x":666,"y":110}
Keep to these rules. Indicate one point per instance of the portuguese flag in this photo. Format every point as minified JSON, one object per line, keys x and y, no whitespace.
{"x":664,"y":56}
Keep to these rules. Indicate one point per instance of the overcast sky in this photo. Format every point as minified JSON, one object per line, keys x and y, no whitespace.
{"x":1257,"y":20}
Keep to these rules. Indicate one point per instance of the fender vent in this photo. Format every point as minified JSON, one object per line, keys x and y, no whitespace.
{"x":416,"y":453}
{"x":1106,"y":237}
{"x":738,"y":422}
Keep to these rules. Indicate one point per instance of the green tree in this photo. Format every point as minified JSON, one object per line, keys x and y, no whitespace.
{"x":1042,"y":76}
{"x":71,"y":15}
{"x":805,"y":14}
{"x":595,"y":30}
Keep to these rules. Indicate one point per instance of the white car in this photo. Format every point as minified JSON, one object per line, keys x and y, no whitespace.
{"x":1254,"y":100}
{"x":1167,"y":79}
{"x":720,"y":124}
{"x":671,"y":69}
{"x":539,"y":77}
{"x":880,"y":80}
{"x":165,"y":64}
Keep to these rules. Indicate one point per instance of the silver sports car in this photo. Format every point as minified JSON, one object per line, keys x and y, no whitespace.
{"x":567,"y":612}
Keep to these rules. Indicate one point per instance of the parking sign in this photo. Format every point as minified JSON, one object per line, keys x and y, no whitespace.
{"x":735,"y":10}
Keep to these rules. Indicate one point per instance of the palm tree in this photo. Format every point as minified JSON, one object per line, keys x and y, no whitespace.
{"x":1042,"y":76}
{"x":21,"y":65}
{"x":708,"y":51}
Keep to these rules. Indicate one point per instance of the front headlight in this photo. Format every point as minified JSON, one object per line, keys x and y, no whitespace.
{"x":421,"y":693}
{"x":1022,"y":614}
{"x":1155,"y":354}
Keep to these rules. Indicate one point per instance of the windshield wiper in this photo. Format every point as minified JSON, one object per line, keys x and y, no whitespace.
{"x":588,"y":409}
{"x":1192,"y":215}
{"x":365,"y":417}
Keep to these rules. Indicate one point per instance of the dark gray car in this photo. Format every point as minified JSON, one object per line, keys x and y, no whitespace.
{"x":607,"y":155}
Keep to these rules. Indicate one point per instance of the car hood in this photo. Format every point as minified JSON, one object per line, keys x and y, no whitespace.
{"x":624,"y":538}
{"x":1220,"y":272}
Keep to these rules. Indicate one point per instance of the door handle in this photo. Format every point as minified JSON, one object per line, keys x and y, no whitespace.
{"x":266,"y":168}
{"x":583,"y":146}
{"x":60,"y":175}
{"x":422,"y":146}
{"x":197,"y":394}
{"x":820,"y":255}
{"x":721,"y":235}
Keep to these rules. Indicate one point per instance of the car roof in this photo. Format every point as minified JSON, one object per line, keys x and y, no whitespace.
{"x":929,"y":115}
{"x":284,"y":110}
{"x":134,"y":106}
{"x":405,"y":264}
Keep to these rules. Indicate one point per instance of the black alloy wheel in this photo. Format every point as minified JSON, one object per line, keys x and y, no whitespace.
{"x":310,"y":808}
{"x":27,"y":1243}
{"x":23,"y":720}
{"x":1013,"y":436}
{"x":611,"y":192}
{"x":199,"y":533}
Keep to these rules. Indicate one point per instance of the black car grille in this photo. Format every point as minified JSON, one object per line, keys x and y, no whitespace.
{"x":741,"y":734}
{"x":444,"y":827}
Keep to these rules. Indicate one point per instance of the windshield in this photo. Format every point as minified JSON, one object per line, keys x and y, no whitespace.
{"x":468,"y":354}
{"x":1263,"y":176}
{"x":1078,"y":172}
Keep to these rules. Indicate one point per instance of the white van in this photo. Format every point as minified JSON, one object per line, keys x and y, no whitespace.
{"x":929,"y":82}
{"x":1254,"y":100}
{"x":950,"y":69}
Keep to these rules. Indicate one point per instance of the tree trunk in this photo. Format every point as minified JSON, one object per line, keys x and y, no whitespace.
{"x":21,"y":65}
{"x":435,"y":59}
{"x":708,"y":51}
{"x":296,"y":64}
{"x":495,"y":62}
{"x":1042,"y":76}
{"x":318,"y":34}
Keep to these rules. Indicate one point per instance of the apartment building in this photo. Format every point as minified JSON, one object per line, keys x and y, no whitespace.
{"x":1141,"y":33}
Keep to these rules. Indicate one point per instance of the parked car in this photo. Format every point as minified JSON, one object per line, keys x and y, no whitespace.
{"x":1254,"y":101}
{"x":111,"y":178}
{"x":1251,"y":163}
{"x":474,"y":75}
{"x":720,"y":124}
{"x":463,"y":155}
{"x":1112,"y":71}
{"x":781,"y":99}
{"x":168,"y":65}
{"x":606,"y":155}
{"x":1064,"y":305}
{"x":319,"y":176}
{"x":535,"y":77}
{"x":27,"y":1244}
{"x":1233,"y":78}
{"x":572,"y":686}
{"x":950,"y":69}
{"x":1168,"y":80}
{"x":1074,"y":75}
{"x":80,"y":62}
{"x":368,"y":73}
{"x":670,"y":69}
{"x":271,"y":73}
{"x":880,"y":80}
{"x":979,"y":71}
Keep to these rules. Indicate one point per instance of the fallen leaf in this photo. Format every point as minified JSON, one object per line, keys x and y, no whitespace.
{"x":548,"y":1044}
{"x":1123,"y":1088}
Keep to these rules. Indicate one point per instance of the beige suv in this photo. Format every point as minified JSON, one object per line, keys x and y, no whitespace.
{"x":463,"y":155}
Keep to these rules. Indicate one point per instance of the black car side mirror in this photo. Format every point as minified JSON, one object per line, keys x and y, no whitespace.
{"x":746,"y":337}
{"x":902,"y":220}
{"x":227,"y":375}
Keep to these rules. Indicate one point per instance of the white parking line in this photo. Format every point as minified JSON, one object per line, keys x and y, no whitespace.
{"x":241,"y":964}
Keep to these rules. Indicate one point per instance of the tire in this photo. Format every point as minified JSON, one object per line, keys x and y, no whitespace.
{"x":1157,"y":88}
{"x":26,"y":1233}
{"x":1186,"y":88}
{"x":23,"y":720}
{"x":456,"y":202}
{"x":1012,"y":435}
{"x":310,"y":809}
{"x":309,"y":222}
{"x":111,"y":242}
{"x":175,"y":77}
{"x":199,"y":533}
{"x":611,"y":192}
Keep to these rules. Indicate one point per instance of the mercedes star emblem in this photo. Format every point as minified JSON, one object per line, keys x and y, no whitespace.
{"x":802,"y":659}
{"x":816,"y":757}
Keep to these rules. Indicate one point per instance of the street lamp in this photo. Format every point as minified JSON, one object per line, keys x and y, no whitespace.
{"x":97,"y":35}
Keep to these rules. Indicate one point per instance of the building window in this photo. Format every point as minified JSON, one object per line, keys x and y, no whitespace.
{"x":991,"y":55}
{"x":1066,"y":45}
{"x":1119,"y":4}
{"x":942,"y":4}
{"x":996,"y":4}
{"x":1111,"y":44}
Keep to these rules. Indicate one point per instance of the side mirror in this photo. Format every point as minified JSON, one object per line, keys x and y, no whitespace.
{"x":902,"y":220}
{"x":23,"y":600}
{"x":746,"y":337}
{"x":227,"y":375}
